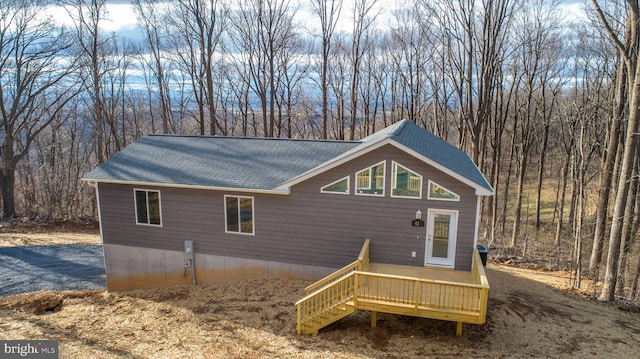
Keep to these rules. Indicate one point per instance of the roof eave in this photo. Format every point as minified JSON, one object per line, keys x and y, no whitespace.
{"x":277,"y":191}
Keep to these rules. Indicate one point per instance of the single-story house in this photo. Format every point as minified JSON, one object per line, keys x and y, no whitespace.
{"x":179,"y":208}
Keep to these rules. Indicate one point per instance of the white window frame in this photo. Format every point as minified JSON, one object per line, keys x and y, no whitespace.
{"x":441,"y":199}
{"x":253,"y":216}
{"x":348,"y":178}
{"x":384,"y":179}
{"x":394,"y":183}
{"x":135,"y":206}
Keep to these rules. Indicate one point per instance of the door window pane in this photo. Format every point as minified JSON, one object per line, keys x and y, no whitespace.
{"x":441,"y":226}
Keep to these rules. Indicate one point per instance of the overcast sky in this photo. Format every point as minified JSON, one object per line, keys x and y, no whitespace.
{"x":122,"y":19}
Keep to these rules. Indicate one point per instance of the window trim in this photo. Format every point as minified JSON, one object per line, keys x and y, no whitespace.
{"x":384,"y":179}
{"x":135,"y":206}
{"x":441,"y":199}
{"x":348,"y":178}
{"x":253,"y":215}
{"x":394,"y":181}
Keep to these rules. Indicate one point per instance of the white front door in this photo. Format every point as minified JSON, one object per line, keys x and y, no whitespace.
{"x":442,"y":226}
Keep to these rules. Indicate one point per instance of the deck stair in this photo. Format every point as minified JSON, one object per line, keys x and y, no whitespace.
{"x":353,"y":288}
{"x":325,"y":306}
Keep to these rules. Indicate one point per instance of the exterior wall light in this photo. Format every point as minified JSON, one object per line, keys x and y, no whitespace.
{"x":418,"y":214}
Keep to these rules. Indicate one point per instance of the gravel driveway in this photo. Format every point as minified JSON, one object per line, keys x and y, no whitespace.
{"x":60,"y":267}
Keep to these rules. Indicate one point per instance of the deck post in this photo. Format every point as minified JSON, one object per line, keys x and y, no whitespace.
{"x":374,"y":319}
{"x":459,"y":329}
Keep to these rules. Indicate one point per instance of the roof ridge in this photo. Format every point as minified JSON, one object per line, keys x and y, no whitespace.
{"x":178,"y":135}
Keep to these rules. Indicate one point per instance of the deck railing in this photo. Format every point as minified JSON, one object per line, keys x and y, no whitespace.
{"x":352,"y":288}
{"x":357,"y":265}
{"x":419,"y":297}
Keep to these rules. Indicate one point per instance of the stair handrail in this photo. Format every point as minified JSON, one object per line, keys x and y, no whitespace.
{"x":325,"y":306}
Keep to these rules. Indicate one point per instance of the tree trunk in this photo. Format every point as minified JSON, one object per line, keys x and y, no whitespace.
{"x":518,"y":210}
{"x":563,"y":196}
{"x":628,"y":159}
{"x":7,"y":186}
{"x":602,"y":210}
{"x":541,"y":160}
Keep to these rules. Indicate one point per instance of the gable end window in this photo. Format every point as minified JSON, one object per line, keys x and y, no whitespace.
{"x":437,"y":192}
{"x":340,"y":186}
{"x":148,"y":209}
{"x":405,"y":183}
{"x":239,"y":214}
{"x":370,"y":181}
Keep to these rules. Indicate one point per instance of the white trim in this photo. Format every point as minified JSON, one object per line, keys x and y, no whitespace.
{"x":104,"y":257}
{"x":384,"y":179}
{"x":253,"y":216}
{"x":475,"y":234}
{"x":393,"y":180}
{"x":453,"y":239}
{"x":368,"y":147}
{"x":348,"y":178}
{"x":135,"y":206}
{"x":438,"y":198}
{"x":285,"y":191}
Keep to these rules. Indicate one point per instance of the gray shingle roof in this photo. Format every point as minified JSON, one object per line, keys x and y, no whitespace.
{"x":231,"y":162}
{"x":427,"y":144}
{"x":260,"y":163}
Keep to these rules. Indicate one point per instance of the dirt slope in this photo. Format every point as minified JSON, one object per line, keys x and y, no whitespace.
{"x":256,"y":319}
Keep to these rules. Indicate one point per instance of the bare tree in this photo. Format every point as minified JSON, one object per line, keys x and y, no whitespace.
{"x":87,"y":16}
{"x":197,"y":28}
{"x":364,"y":16}
{"x":262,"y":31}
{"x":36,"y":82}
{"x":149,"y":14}
{"x":539,"y":63}
{"x":628,"y":51}
{"x":474,"y":36}
{"x":614,"y":136}
{"x":329,"y":13}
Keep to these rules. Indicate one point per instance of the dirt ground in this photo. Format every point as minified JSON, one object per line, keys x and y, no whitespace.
{"x":24,"y":232}
{"x":530,"y":314}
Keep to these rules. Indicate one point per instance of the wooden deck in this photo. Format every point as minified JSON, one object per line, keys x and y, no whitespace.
{"x":426,"y":292}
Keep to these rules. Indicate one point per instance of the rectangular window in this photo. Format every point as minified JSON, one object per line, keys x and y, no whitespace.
{"x":405,"y":183}
{"x":148,"y":209}
{"x":370,"y":181}
{"x":239,"y":214}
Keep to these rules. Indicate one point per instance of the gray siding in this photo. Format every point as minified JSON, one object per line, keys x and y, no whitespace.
{"x":306,"y":227}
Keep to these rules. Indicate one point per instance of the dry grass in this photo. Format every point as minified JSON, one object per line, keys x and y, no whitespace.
{"x":24,"y":232}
